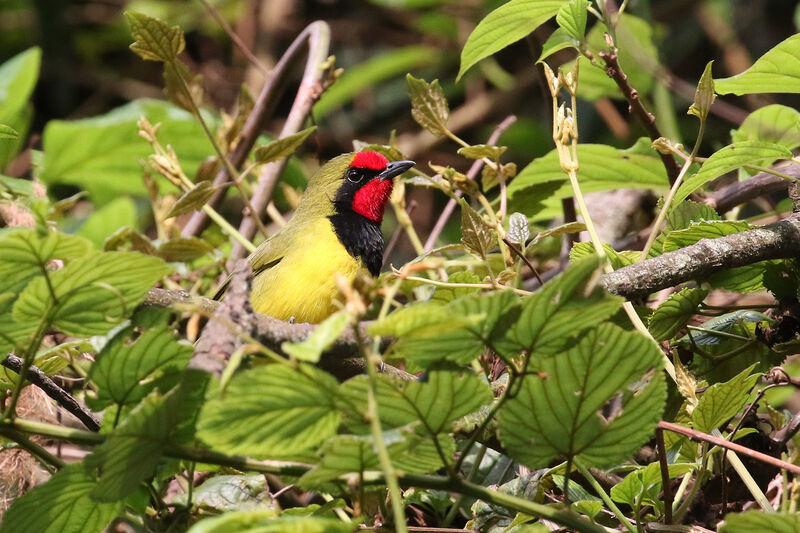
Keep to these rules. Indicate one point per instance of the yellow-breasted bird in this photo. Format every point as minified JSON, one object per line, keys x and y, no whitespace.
{"x":336,"y":230}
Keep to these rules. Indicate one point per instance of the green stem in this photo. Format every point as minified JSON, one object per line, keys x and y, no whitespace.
{"x":604,"y":495}
{"x":377,"y":435}
{"x":227,"y":228}
{"x":28,"y":358}
{"x":47,"y":459}
{"x":770,"y":171}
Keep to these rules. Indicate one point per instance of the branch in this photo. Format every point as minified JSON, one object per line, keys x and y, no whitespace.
{"x":472,"y":173}
{"x":62,"y":397}
{"x":314,"y":35}
{"x":636,"y":107}
{"x":312,"y":85}
{"x":343,"y":359}
{"x":763,"y":183}
{"x":780,"y":240}
{"x":699,"y":436}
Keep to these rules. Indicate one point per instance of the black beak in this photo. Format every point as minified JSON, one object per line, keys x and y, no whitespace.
{"x":395,"y":168}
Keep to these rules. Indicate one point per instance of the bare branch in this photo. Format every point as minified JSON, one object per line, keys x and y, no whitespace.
{"x":774,"y":241}
{"x":62,"y":397}
{"x":763,"y":183}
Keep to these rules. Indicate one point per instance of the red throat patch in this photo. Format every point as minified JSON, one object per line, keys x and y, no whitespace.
{"x":371,"y":160}
{"x":370,"y":200}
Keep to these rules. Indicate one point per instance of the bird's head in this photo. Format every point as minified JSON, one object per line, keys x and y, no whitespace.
{"x":360,"y":182}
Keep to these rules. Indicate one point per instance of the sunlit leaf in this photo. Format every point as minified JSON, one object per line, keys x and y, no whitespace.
{"x":759,"y":521}
{"x":572,"y":18}
{"x":643,"y":485}
{"x":18,"y":77}
{"x":704,"y":95}
{"x":505,"y":25}
{"x":777,"y":71}
{"x":774,"y":123}
{"x":283,"y":147}
{"x":444,"y":396}
{"x":558,"y":40}
{"x":475,"y":233}
{"x":480,"y":151}
{"x":193,"y":199}
{"x":154,"y":40}
{"x":680,"y":217}
{"x":7,"y":132}
{"x":61,"y":505}
{"x":722,"y":401}
{"x":518,"y":228}
{"x":558,"y":409}
{"x":184,"y":249}
{"x":730,"y":158}
{"x":675,"y":313}
{"x":272,"y":410}
{"x":91,"y":294}
{"x":428,"y":104}
{"x":551,"y":318}
{"x":126,"y":371}
{"x":320,"y":339}
{"x":352,"y":455}
{"x":266,"y":521}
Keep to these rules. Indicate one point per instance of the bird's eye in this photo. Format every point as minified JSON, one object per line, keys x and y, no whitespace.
{"x":355,"y":175}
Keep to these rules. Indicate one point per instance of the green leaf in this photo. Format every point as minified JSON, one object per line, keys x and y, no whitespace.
{"x":558,"y":410}
{"x":428,"y":105}
{"x":552,"y":317}
{"x":675,"y":313}
{"x":505,"y":25}
{"x":351,"y":455}
{"x":638,"y":56}
{"x":126,"y":371}
{"x":92,"y":294}
{"x":518,"y":228}
{"x":118,"y":213}
{"x":61,"y":505}
{"x":16,"y":186}
{"x":558,"y":40}
{"x":123,"y":236}
{"x":7,"y":132}
{"x":154,"y":40}
{"x":192,"y":200}
{"x":133,"y":449}
{"x":25,"y":253}
{"x":18,"y":77}
{"x":320,"y":339}
{"x":266,"y":521}
{"x":184,"y":249}
{"x":643,"y":484}
{"x":602,"y":168}
{"x":704,"y":95}
{"x":446,"y":395}
{"x":368,"y":74}
{"x":774,"y":123}
{"x":730,"y":158}
{"x":272,"y":411}
{"x":475,"y":233}
{"x":777,"y":71}
{"x":557,"y":231}
{"x":475,"y":316}
{"x":571,"y":17}
{"x":722,"y":401}
{"x":283,"y":147}
{"x":759,"y":521}
{"x":681,"y":217}
{"x":445,"y":295}
{"x":582,"y":250}
{"x":103,"y":153}
{"x":232,"y":492}
{"x":480,"y":151}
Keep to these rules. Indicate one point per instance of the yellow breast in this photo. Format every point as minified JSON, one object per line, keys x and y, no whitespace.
{"x":303,"y":284}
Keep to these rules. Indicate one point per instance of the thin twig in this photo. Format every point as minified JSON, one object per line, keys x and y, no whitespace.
{"x":315,"y":34}
{"x":62,"y":397}
{"x":699,"y":436}
{"x":761,"y":184}
{"x":662,"y":459}
{"x":521,"y":255}
{"x":472,"y":174}
{"x":636,"y":107}
{"x":235,"y":38}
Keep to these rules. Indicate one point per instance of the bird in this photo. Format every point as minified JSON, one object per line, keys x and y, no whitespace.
{"x":335,"y":231}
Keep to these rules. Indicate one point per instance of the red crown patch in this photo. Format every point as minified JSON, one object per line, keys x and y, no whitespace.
{"x":371,"y":160}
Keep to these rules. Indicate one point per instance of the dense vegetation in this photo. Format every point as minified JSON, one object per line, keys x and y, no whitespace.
{"x":500,"y":374}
